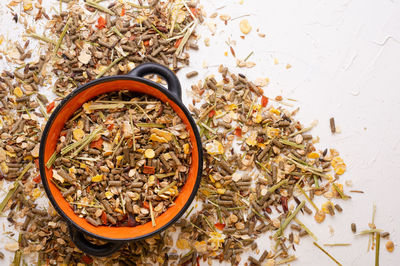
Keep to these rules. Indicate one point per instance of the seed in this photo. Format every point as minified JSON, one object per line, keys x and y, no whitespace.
{"x":319,"y":216}
{"x":192,"y":74}
{"x":353,"y":227}
{"x":338,"y":208}
{"x":385,"y":234}
{"x":390,"y":246}
{"x":245,"y":27}
{"x":332,"y":124}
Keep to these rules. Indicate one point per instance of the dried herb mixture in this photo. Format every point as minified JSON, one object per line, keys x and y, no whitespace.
{"x":122,"y":159}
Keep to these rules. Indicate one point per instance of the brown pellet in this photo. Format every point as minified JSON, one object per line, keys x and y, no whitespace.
{"x":307,"y":210}
{"x":338,"y":208}
{"x":295,"y":227}
{"x":303,"y":233}
{"x":263,"y":256}
{"x":192,"y":74}
{"x":353,"y":227}
{"x":92,"y":221}
{"x":254,"y":261}
{"x":332,"y":124}
{"x":331,"y":210}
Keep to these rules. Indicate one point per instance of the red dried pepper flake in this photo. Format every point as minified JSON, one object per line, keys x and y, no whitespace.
{"x":98,"y":144}
{"x":146,"y":43}
{"x":37,"y":179}
{"x":219,"y":226}
{"x":110,"y":127}
{"x":123,"y":12}
{"x":178,"y":42}
{"x":264,"y":101}
{"x":101,"y":23}
{"x":37,"y":163}
{"x":50,"y":107}
{"x":146,"y":205}
{"x":149,"y":169}
{"x":87,"y":259}
{"x":195,"y":11}
{"x":198,"y":260}
{"x":211,"y":113}
{"x":238,"y":131}
{"x":104,"y":218}
{"x":63,"y":133}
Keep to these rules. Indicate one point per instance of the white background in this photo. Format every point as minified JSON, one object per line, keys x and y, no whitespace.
{"x":345,"y":58}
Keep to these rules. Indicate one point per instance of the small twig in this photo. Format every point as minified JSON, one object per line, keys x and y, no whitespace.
{"x":305,"y":228}
{"x":247,"y":57}
{"x":153,"y":220}
{"x":337,"y":245}
{"x":308,"y":198}
{"x":64,"y":31}
{"x":99,"y":7}
{"x":41,"y":38}
{"x":378,"y":244}
{"x":365,"y":232}
{"x":15,"y":187}
{"x":109,"y":67}
{"x":326,"y":252}
{"x":289,"y":219}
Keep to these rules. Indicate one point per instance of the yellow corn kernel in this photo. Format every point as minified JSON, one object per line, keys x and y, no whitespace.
{"x":4,"y":167}
{"x":252,"y":139}
{"x":274,"y":111}
{"x":108,"y":194}
{"x":27,"y":5}
{"x":119,"y":159}
{"x":313,"y":155}
{"x":162,"y":133}
{"x":186,"y":148}
{"x":36,"y":193}
{"x":80,"y":124}
{"x":18,"y":92}
{"x":214,"y":147}
{"x":154,"y":137}
{"x":218,"y":185}
{"x":244,"y":26}
{"x":257,"y":119}
{"x":211,"y":178}
{"x":78,"y":134}
{"x":339,"y":170}
{"x":182,"y":244}
{"x":221,"y":191}
{"x":86,"y":108}
{"x":119,"y":210}
{"x":272,"y":132}
{"x":149,"y":153}
{"x":336,"y":160}
{"x":97,"y":178}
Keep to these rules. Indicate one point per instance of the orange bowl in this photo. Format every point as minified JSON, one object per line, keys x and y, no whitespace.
{"x":134,"y":81}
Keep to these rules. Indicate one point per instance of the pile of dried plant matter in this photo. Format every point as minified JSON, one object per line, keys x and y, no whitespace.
{"x":79,"y":45}
{"x":87,"y":43}
{"x":122,"y":159}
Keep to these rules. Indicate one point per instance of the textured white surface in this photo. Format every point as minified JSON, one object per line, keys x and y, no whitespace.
{"x":345,"y":63}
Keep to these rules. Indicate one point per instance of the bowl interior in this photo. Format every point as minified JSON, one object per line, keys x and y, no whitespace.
{"x":66,"y":110}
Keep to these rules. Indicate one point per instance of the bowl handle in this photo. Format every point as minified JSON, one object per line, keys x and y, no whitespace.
{"x":92,"y":249}
{"x":153,"y":68}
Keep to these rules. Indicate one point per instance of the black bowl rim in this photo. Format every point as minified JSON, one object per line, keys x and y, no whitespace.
{"x":69,"y":97}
